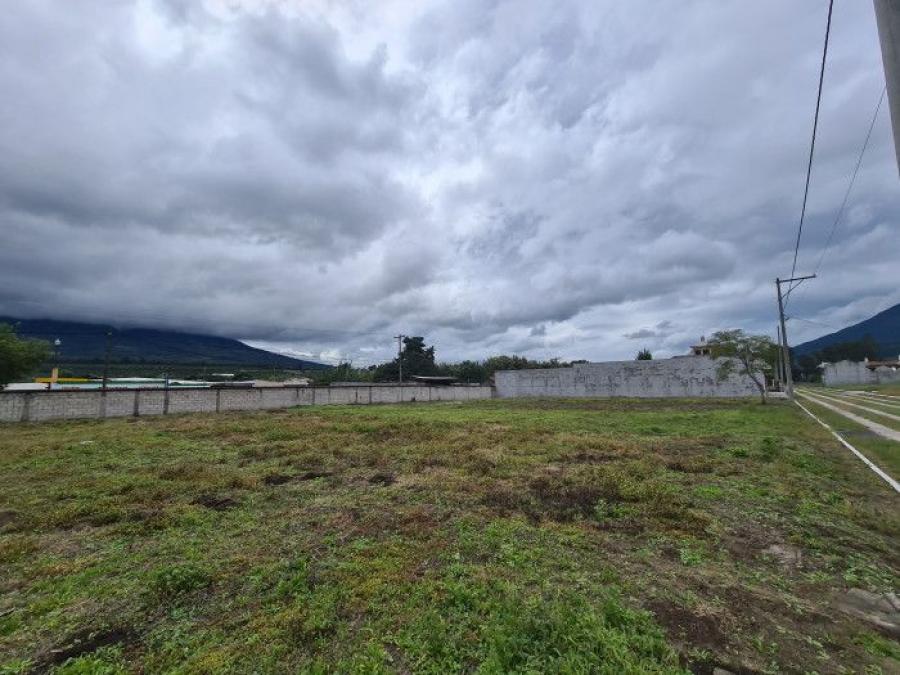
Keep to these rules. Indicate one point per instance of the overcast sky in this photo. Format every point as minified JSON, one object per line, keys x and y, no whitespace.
{"x":573,"y":179}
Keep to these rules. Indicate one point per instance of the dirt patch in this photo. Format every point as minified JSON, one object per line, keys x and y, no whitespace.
{"x":749,"y":539}
{"x":785,"y":554}
{"x":276,"y":479}
{"x":81,"y":643}
{"x":312,"y":475}
{"x":553,"y":497}
{"x":8,"y":517}
{"x":687,"y":627}
{"x":383,"y":479}
{"x":565,"y":501}
{"x":216,"y":503}
{"x":506,"y":500}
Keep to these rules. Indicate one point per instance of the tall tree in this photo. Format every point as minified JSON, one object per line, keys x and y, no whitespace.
{"x":752,"y":355}
{"x":417,"y":359}
{"x":19,"y":357}
{"x":853,"y":350}
{"x":644,"y":355}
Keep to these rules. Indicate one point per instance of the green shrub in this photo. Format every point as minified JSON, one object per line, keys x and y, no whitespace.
{"x":170,"y":583}
{"x":605,"y":510}
{"x":104,"y":661}
{"x":690,"y":556}
{"x":567,"y":634}
{"x":769,"y":449}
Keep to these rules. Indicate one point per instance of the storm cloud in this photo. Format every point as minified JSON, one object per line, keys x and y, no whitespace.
{"x":552,"y":179}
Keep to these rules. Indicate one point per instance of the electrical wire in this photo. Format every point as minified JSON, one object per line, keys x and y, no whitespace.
{"x":815,"y":323}
{"x":859,"y":160}
{"x":844,"y":202}
{"x":812,"y":145}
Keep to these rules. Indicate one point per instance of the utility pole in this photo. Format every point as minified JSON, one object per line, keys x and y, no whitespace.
{"x":106,"y":360}
{"x":57,"y":343}
{"x":780,"y":357}
{"x":887,"y":12}
{"x":400,"y":357}
{"x":785,"y":350}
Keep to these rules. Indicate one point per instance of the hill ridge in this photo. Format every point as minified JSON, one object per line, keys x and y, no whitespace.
{"x":884,"y":328}
{"x":86,"y":342}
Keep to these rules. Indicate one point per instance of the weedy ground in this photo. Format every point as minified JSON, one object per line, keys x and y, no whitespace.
{"x":497,"y":536}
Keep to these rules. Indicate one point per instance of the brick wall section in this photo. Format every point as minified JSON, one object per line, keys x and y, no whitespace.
{"x":38,"y":406}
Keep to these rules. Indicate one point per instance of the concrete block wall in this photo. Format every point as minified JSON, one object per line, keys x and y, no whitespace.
{"x":856,"y":372}
{"x":38,"y":406}
{"x":692,"y":376}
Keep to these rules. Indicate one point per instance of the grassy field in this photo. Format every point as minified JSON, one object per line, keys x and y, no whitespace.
{"x":525,"y":536}
{"x":885,"y":453}
{"x":890,"y":389}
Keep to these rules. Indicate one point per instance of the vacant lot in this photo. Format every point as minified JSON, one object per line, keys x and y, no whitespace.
{"x":560,"y":536}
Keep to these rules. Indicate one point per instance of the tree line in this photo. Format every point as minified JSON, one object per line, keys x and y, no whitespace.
{"x":806,"y":366}
{"x":418,"y":359}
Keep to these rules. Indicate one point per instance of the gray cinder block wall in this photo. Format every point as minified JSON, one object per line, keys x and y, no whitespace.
{"x":38,"y":406}
{"x":856,"y":372}
{"x":691,"y":376}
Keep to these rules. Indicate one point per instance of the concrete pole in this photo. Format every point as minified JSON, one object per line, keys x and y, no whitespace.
{"x":785,"y":350}
{"x":780,"y":359}
{"x":106,"y":360}
{"x":400,"y":358}
{"x":887,"y":13}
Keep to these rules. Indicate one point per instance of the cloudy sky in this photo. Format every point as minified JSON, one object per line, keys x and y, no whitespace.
{"x":573,"y":179}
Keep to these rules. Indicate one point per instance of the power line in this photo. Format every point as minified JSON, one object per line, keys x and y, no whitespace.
{"x":815,"y":323}
{"x":859,"y":160}
{"x":812,"y":145}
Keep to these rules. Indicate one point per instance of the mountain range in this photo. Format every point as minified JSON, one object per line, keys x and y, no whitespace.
{"x":86,"y":343}
{"x":884,"y":328}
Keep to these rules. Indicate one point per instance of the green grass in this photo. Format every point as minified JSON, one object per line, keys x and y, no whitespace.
{"x":883,"y":452}
{"x":877,"y":403}
{"x":890,"y":389}
{"x":497,"y":536}
{"x":844,"y":404}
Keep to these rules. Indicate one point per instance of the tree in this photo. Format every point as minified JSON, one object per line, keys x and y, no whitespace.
{"x":417,"y":360}
{"x":853,"y":350}
{"x":466,"y":371}
{"x":644,"y":355}
{"x":19,"y":358}
{"x":752,"y":355}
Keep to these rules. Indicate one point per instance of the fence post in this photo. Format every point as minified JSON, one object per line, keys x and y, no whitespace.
{"x":26,"y":407}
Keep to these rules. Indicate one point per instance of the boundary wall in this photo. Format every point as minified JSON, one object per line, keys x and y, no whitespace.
{"x":38,"y":406}
{"x":857,"y":372}
{"x":688,"y":376}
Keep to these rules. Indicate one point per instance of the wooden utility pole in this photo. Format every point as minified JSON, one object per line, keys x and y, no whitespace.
{"x":785,"y":350}
{"x":400,"y":358}
{"x":887,"y":12}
